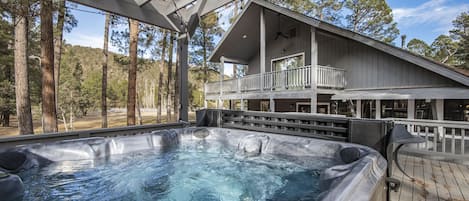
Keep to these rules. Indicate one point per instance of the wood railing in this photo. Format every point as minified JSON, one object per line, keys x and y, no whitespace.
{"x":291,"y":79}
{"x":450,"y":137}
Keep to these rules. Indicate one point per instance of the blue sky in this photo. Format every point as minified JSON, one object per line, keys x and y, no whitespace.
{"x":423,"y":19}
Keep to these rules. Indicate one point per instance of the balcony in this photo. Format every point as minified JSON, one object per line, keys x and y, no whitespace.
{"x":285,"y":80}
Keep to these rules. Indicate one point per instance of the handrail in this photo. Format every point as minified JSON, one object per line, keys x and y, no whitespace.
{"x":290,"y":79}
{"x":440,"y":136}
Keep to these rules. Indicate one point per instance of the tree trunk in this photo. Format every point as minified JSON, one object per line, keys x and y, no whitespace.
{"x":47,"y":66}
{"x":23,"y":102}
{"x":58,"y":47}
{"x":104,"y":77}
{"x":176,"y":87}
{"x":160,"y":81}
{"x":170,"y":75}
{"x":139,"y":112}
{"x":132,"y":72}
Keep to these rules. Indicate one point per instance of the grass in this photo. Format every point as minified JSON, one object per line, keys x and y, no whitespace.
{"x":91,"y":121}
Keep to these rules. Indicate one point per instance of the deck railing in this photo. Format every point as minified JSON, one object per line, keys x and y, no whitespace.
{"x":449,"y":137}
{"x":291,"y":79}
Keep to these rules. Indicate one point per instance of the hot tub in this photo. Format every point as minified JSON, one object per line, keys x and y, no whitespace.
{"x":194,"y":164}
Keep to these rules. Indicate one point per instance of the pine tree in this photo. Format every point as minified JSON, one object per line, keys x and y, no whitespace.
{"x":132,"y":79}
{"x":47,"y":66}
{"x":419,"y":47}
{"x":443,"y":49}
{"x":372,"y":18}
{"x":164,"y":42}
{"x":104,"y":74}
{"x":461,"y":33}
{"x":169,"y":88}
{"x":23,"y":101}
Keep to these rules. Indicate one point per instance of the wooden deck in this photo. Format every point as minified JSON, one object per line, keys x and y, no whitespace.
{"x":434,"y":180}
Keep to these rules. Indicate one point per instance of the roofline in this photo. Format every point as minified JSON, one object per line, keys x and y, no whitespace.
{"x":423,"y":62}
{"x":225,"y":35}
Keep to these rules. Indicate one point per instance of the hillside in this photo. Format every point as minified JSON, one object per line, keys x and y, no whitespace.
{"x":91,"y":59}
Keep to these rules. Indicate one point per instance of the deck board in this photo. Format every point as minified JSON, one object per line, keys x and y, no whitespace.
{"x":433,"y":180}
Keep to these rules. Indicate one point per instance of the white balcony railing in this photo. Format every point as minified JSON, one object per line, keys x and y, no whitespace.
{"x":449,"y":137}
{"x":291,"y":79}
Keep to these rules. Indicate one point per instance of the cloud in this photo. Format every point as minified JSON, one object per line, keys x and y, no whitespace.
{"x":438,"y":13}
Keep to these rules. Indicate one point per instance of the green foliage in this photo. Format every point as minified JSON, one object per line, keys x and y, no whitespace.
{"x":419,"y":47}
{"x":461,"y":34}
{"x":203,"y":41}
{"x":372,"y":18}
{"x":443,"y":49}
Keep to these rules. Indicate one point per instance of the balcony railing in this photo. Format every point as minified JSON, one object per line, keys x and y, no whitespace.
{"x":291,"y":79}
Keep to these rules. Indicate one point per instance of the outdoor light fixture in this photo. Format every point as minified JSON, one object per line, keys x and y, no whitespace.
{"x":245,"y":36}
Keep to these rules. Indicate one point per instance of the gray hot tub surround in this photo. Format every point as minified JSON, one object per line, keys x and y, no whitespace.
{"x":358,"y":173}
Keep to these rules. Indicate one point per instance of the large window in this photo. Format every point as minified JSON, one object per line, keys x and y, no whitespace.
{"x":394,"y":109}
{"x":369,"y":109}
{"x":457,"y":110}
{"x":347,"y":108}
{"x":288,"y":62}
{"x":423,"y":109}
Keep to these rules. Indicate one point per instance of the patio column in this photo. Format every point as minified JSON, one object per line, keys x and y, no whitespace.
{"x":262,"y":48}
{"x":358,"y":108}
{"x":182,"y":44}
{"x":440,"y":109}
{"x":378,"y":109}
{"x":440,"y":115}
{"x":314,"y":63}
{"x":222,"y":72}
{"x":411,"y":109}
{"x":242,"y":105}
{"x":272,"y":105}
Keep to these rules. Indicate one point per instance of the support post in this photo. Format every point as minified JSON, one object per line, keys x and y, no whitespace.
{"x":411,"y":109}
{"x":378,"y":109}
{"x":314,"y":63}
{"x":242,"y":104}
{"x":272,"y":104}
{"x":222,"y":70}
{"x":440,"y":108}
{"x":262,"y":48}
{"x":359,"y":109}
{"x":183,"y":78}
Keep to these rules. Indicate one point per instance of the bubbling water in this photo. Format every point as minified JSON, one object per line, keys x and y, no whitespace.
{"x":197,"y":171}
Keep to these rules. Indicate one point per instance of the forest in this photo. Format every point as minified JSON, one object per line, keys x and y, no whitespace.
{"x":49,"y":82}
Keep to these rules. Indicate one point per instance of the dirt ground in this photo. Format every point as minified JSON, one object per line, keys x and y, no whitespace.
{"x":91,"y":121}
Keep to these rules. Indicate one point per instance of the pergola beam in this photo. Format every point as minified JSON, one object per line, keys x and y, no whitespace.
{"x":129,"y":8}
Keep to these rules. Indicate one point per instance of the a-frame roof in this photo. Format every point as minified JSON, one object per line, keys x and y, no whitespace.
{"x":436,"y":67}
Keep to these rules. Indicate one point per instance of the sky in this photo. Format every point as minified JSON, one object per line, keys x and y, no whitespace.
{"x":423,"y":19}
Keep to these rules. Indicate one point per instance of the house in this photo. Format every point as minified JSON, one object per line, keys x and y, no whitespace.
{"x":299,"y":64}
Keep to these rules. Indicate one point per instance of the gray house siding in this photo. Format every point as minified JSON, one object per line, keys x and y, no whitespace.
{"x":282,"y":47}
{"x":368,"y":68}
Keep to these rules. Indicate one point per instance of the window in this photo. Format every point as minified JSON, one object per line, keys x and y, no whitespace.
{"x":347,"y":108}
{"x":288,"y":62}
{"x":457,"y":110}
{"x":423,"y":109}
{"x":394,"y":108}
{"x":265,"y":106}
{"x":369,"y":109}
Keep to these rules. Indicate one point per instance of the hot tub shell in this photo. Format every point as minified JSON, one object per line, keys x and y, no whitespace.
{"x":359,"y":173}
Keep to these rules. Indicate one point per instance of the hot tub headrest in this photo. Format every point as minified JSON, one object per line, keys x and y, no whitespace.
{"x":12,"y":161}
{"x":350,"y":154}
{"x":12,"y":188}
